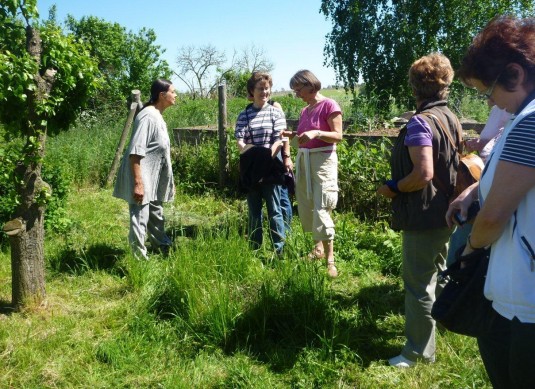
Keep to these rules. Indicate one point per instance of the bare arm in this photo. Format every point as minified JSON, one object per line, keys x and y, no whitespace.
{"x":241,"y":144}
{"x":139,"y":190}
{"x":286,"y":156}
{"x":421,"y":173}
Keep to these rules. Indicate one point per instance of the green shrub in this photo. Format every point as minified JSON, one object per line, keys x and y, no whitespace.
{"x":9,"y":152}
{"x":369,"y":246}
{"x":472,"y":107}
{"x":362,"y":168}
{"x":196,"y":167}
{"x":55,"y":176}
{"x":56,"y":218}
{"x":204,"y":112}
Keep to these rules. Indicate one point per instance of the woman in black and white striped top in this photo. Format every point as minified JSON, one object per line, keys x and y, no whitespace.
{"x":500,"y":64}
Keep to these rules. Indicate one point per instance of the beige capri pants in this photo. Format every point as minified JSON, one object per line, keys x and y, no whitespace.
{"x":317,"y":190}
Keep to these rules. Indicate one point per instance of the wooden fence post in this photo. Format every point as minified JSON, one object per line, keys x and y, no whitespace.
{"x":134,"y":107}
{"x":222,"y":125}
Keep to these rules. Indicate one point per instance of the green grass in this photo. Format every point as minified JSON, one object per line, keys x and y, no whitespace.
{"x":215,"y":314}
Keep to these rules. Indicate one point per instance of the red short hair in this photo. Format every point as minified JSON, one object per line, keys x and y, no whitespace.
{"x":505,"y":40}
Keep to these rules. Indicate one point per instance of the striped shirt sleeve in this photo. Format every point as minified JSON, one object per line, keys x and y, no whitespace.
{"x":519,"y":145}
{"x":241,"y":125}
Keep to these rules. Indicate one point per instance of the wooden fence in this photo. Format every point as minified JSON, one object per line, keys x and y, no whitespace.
{"x":196,"y":135}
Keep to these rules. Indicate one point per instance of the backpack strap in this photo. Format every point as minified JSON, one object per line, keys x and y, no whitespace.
{"x":438,"y":184}
{"x":458,"y":147}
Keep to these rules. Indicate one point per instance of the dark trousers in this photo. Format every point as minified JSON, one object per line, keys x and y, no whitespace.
{"x":508,"y":354}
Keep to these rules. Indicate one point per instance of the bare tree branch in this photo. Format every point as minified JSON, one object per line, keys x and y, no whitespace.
{"x":199,"y":62}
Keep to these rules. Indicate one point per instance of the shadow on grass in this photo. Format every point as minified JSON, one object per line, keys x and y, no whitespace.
{"x":222,"y":228}
{"x":277,"y":328}
{"x":6,"y":308}
{"x":96,"y":257}
{"x":367,"y":337}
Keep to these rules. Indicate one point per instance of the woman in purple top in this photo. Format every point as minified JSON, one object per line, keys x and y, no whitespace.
{"x":319,"y":129}
{"x":423,"y":165}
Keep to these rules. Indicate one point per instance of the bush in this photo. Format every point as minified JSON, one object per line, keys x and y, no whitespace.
{"x":204,"y":112}
{"x":369,"y":246}
{"x":58,"y":179}
{"x":9,"y":152}
{"x":56,"y":218}
{"x":362,"y":168}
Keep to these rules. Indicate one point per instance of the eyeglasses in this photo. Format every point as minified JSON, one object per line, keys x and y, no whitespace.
{"x":488,"y":93}
{"x":297,"y":90}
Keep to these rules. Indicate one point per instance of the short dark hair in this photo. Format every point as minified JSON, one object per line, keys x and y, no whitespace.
{"x":305,"y":78}
{"x":506,"y":39}
{"x":256,"y":77}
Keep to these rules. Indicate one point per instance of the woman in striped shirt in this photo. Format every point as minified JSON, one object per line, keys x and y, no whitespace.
{"x":500,"y":64}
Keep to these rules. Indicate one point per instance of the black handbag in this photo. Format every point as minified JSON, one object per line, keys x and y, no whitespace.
{"x":462,"y":307}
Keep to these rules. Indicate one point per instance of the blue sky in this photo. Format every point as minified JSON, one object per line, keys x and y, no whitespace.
{"x":291,"y":32}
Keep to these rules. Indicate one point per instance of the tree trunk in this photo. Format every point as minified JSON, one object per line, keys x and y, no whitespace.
{"x":26,"y":231}
{"x":27,"y":245}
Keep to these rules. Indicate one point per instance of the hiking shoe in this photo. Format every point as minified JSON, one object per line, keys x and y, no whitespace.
{"x":401,"y":362}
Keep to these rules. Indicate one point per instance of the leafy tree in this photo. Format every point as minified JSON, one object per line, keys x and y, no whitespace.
{"x":377,"y":40}
{"x":236,"y":81}
{"x":126,"y":60}
{"x":46,"y":78}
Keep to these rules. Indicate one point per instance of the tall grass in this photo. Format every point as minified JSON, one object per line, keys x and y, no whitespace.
{"x":214,"y":313}
{"x":86,"y":151}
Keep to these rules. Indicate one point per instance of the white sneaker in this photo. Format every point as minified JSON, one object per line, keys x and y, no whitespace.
{"x":401,"y":362}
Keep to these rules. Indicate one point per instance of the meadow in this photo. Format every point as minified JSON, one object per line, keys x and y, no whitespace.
{"x":213,"y":314}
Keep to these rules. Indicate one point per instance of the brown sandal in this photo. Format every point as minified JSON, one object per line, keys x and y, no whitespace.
{"x":315,"y":255}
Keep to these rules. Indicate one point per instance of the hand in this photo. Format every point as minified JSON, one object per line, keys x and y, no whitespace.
{"x":307,"y":136}
{"x":386,"y":192}
{"x":474,"y":144}
{"x":139,"y":192}
{"x":288,"y":133}
{"x":288,"y":164}
{"x":460,"y":205}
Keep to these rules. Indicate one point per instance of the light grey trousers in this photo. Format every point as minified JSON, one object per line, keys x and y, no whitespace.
{"x":317,"y":192}
{"x":424,"y":254}
{"x":147,"y":218}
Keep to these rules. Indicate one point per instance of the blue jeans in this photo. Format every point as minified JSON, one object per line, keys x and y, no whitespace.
{"x":286,"y":206}
{"x":271,"y":195}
